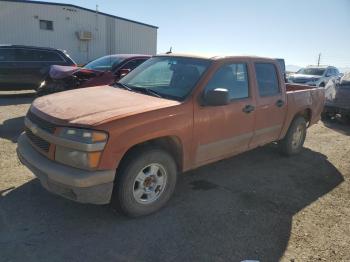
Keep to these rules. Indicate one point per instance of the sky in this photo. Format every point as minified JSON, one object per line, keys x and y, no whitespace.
{"x":296,"y":30}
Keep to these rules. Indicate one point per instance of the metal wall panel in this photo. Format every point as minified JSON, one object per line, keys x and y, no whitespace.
{"x":19,"y":24}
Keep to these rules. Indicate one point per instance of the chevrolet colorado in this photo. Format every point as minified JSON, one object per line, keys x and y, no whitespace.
{"x":126,"y":144}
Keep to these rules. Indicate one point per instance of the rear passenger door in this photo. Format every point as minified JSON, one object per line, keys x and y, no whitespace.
{"x":270,"y":104}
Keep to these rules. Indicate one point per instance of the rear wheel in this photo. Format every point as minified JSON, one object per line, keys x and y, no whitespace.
{"x":294,"y":140}
{"x":145,"y":182}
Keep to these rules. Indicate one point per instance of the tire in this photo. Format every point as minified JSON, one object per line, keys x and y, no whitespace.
{"x":293,"y":142}
{"x":322,"y":85}
{"x":134,"y":198}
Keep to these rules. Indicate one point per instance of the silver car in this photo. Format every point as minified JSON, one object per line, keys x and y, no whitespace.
{"x":315,"y":75}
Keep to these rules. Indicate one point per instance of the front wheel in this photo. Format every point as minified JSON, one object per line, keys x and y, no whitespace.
{"x":294,"y":140}
{"x":145,"y":182}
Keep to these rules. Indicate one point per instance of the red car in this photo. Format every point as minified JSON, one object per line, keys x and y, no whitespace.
{"x":102,"y":71}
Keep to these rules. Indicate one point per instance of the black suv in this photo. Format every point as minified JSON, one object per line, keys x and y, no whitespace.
{"x":25,"y":67}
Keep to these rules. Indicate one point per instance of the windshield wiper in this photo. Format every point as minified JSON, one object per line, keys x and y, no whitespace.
{"x":138,"y":89}
{"x":152,"y":92}
{"x":145,"y":91}
{"x":122,"y":86}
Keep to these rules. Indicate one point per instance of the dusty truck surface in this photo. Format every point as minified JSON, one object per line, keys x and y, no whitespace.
{"x":126,"y":144}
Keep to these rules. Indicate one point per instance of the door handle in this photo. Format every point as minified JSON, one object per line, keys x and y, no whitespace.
{"x":248,"y":108}
{"x":279,"y":103}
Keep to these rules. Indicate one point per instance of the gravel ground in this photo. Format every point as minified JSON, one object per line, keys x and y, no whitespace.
{"x":258,"y":205}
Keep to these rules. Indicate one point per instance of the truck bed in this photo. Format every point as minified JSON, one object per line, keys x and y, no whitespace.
{"x":301,"y":98}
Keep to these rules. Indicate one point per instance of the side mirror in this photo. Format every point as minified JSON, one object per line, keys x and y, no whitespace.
{"x":217,"y":97}
{"x":123,"y":72}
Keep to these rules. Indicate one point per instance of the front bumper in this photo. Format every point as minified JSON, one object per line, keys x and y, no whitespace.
{"x":94,"y":187}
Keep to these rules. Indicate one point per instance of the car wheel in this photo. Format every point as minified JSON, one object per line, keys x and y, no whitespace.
{"x":322,"y":85}
{"x":145,"y":182}
{"x":294,"y":140}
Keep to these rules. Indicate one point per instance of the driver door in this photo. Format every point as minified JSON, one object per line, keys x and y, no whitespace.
{"x":223,"y":131}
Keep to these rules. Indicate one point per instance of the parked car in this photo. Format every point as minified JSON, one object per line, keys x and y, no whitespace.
{"x":25,"y":67}
{"x":126,"y":144}
{"x":102,"y":71}
{"x":338,"y":98}
{"x":315,"y":75}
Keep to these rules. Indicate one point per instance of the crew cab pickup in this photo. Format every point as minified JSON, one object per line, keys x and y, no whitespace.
{"x":125,"y":144}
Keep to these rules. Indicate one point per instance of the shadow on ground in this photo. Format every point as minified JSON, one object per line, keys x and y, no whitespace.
{"x":340,"y":125}
{"x":240,"y":208}
{"x":11,"y":128}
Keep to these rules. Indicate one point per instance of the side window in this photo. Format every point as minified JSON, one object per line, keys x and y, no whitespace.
{"x":49,"y":56}
{"x":234,"y":78}
{"x":133,"y":64}
{"x":267,"y":79}
{"x":331,"y":72}
{"x":7,"y":55}
{"x":46,"y":25}
{"x":31,"y":55}
{"x":25,"y":55}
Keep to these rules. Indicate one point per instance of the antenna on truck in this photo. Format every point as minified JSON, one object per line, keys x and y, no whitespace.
{"x":170,"y":50}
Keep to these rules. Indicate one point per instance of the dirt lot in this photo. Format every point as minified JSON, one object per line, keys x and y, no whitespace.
{"x":258,"y":205}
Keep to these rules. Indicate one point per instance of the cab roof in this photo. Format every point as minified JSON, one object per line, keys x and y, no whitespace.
{"x":212,"y":57}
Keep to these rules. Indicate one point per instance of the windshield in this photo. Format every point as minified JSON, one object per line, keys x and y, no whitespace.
{"x":312,"y":71}
{"x":169,"y":77}
{"x":105,"y":63}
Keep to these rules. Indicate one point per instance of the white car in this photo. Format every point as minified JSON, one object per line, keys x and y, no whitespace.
{"x":315,"y":75}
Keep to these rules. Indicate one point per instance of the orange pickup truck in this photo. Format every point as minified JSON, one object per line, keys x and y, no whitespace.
{"x":125,"y":144}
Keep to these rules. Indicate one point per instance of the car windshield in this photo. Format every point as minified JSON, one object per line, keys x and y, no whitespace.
{"x":105,"y":63}
{"x":168,"y":77}
{"x":312,"y":71}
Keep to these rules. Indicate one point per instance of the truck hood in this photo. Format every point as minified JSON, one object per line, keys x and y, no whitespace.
{"x":95,"y":105}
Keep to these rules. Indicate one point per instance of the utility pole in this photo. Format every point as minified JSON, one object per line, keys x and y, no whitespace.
{"x":319,"y":59}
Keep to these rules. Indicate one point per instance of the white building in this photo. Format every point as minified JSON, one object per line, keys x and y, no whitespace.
{"x":85,"y":34}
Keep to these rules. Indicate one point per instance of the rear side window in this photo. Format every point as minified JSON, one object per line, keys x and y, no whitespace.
{"x":7,"y":55}
{"x":234,"y":78}
{"x":31,"y":55}
{"x":267,"y":79}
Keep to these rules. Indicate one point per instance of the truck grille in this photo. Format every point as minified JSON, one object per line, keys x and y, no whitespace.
{"x":39,"y":142}
{"x":43,"y":124}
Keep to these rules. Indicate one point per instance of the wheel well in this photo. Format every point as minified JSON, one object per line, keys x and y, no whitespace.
{"x":171,"y":144}
{"x":306,"y":114}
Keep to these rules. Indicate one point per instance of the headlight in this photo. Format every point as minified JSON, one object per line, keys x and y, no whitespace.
{"x":314,"y":79}
{"x":83,"y":135}
{"x":72,"y":156}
